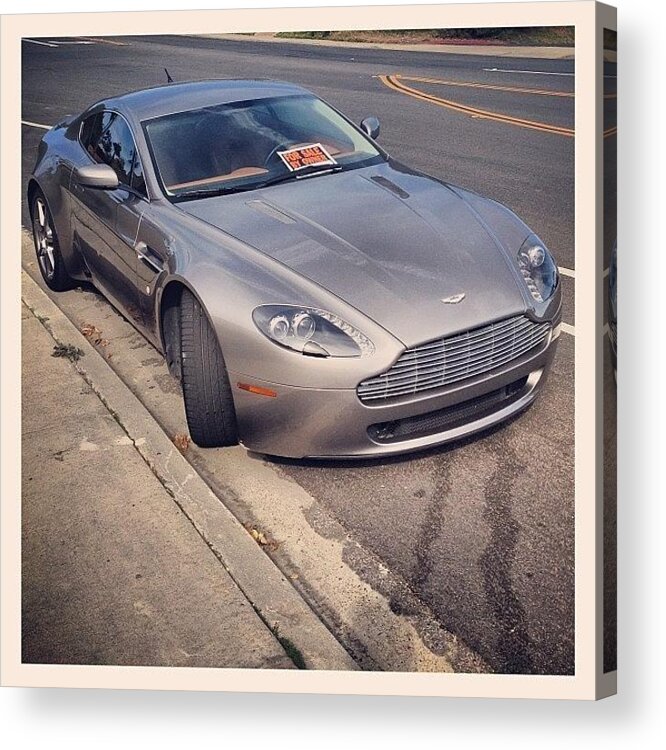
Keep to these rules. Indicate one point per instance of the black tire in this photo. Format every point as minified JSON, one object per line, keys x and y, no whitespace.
{"x":209,"y":405}
{"x":47,"y":245}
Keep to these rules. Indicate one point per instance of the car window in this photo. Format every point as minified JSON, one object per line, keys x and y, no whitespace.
{"x":92,"y":128}
{"x":138,"y":181}
{"x":243,"y":144}
{"x":107,"y":138}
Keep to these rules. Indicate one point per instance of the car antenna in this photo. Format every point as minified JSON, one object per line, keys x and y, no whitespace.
{"x":169,"y":78}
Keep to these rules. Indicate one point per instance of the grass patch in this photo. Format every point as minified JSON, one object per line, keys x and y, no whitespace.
{"x":533,"y":36}
{"x":71,"y":352}
{"x":291,"y":649}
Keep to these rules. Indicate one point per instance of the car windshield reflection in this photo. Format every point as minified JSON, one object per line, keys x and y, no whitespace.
{"x":251,"y":144}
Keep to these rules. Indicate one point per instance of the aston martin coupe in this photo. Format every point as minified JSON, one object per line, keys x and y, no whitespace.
{"x":313,"y":296}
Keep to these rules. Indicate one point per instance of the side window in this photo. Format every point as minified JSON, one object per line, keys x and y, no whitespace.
{"x":138,"y":182}
{"x":91,"y":130}
{"x":109,"y":140}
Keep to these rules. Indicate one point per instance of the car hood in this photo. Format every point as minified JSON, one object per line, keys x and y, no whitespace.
{"x":393,"y":244}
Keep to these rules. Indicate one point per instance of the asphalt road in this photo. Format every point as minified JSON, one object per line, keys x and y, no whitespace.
{"x":481,"y":532}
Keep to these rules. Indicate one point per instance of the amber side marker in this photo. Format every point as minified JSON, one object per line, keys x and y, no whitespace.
{"x":257,"y":389}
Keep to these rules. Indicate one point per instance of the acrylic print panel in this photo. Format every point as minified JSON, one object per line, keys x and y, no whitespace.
{"x":392,"y":335}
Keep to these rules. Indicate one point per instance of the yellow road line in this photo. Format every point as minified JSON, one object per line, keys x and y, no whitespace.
{"x":494,"y":87}
{"x":611,"y":131}
{"x":544,"y":127}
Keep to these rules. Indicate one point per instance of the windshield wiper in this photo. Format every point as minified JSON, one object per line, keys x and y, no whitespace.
{"x":295,"y":176}
{"x":194,"y":195}
{"x":301,"y":174}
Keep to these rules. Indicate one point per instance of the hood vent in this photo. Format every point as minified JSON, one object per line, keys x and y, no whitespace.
{"x":386,"y":183}
{"x":274,"y":213}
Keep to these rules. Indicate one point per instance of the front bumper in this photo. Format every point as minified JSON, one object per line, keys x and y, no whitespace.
{"x":333,"y":423}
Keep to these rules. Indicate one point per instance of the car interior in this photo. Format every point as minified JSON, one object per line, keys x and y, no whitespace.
{"x":227,"y":143}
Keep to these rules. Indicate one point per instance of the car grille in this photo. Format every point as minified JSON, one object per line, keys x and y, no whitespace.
{"x":449,"y":360}
{"x":448,"y":418}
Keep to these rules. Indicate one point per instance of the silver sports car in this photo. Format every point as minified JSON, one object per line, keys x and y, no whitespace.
{"x":313,"y":296}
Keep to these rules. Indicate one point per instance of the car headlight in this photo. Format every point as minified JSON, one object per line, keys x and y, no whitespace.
{"x":311,"y":331}
{"x":538,"y":268}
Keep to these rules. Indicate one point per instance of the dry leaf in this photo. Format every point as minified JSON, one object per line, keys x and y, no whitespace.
{"x":261,"y":538}
{"x":182,"y":442}
{"x":88,"y":329}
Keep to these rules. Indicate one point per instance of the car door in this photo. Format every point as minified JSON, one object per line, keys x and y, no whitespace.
{"x":152,"y":256}
{"x":106,"y":222}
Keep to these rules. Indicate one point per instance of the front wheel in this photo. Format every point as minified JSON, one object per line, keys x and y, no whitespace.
{"x":209,"y":405}
{"x":47,"y":246}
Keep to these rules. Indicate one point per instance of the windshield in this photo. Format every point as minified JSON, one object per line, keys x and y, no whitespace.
{"x":247,"y":144}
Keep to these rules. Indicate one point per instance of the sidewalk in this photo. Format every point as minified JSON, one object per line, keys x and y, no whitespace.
{"x":113,"y":572}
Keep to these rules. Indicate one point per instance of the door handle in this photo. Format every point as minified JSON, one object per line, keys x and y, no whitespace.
{"x":144,"y":254}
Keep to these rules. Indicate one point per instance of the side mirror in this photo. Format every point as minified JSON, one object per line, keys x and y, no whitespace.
{"x":99,"y":176}
{"x":370,"y":126}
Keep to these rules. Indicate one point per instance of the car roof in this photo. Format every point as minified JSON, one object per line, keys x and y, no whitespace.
{"x":180,"y":97}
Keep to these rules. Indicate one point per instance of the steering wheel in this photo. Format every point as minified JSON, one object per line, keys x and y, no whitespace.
{"x":279,"y":147}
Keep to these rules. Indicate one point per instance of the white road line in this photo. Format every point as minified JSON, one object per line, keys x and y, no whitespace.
{"x":531,"y":72}
{"x":35,"y":125}
{"x":43,"y":44}
{"x":572,"y":274}
{"x":534,"y":72}
{"x":71,"y":41}
{"x":566,"y":328}
{"x":60,"y":42}
{"x":100,"y":40}
{"x":606,"y":330}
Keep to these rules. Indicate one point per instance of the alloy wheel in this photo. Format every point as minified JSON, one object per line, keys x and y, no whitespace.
{"x":44,"y":240}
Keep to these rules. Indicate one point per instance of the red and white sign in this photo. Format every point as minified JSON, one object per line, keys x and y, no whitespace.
{"x":306,"y":156}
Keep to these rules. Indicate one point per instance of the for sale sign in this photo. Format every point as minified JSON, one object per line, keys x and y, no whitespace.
{"x":310,"y":155}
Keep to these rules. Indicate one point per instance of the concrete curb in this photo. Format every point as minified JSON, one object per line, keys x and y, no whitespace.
{"x":276,"y":601}
{"x":488,"y":50}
